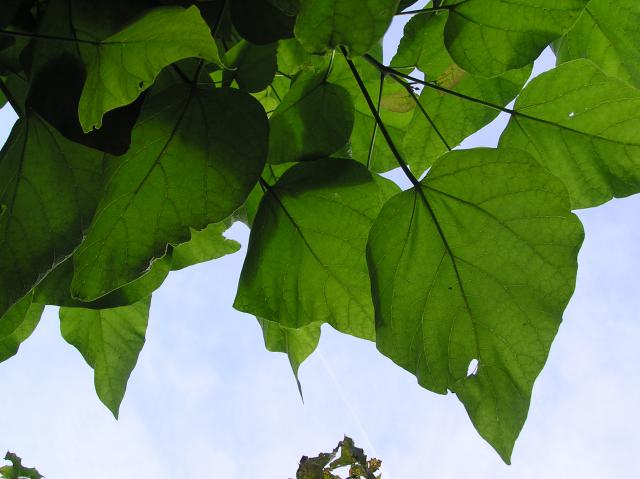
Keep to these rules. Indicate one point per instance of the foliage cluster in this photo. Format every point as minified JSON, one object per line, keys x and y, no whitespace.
{"x":147,"y":127}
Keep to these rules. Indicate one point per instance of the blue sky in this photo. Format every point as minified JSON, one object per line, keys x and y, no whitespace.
{"x":206,"y":399}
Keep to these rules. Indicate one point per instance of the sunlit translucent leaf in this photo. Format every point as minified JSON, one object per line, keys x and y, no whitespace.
{"x":313,"y":121}
{"x":479,"y":263}
{"x":306,"y":258}
{"x":292,"y":57}
{"x":587,"y":132}
{"x":126,"y":63}
{"x":17,"y":324}
{"x":48,"y":186}
{"x":489,"y":37}
{"x":445,"y":120}
{"x":297,"y":344}
{"x":110,"y":341}
{"x":357,"y":25}
{"x":606,"y":33}
{"x":367,"y":145}
{"x":204,"y":245}
{"x":253,"y":67}
{"x":195,"y":156}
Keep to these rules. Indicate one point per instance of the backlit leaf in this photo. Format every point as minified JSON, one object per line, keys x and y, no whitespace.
{"x":489,"y":37}
{"x":323,"y":25}
{"x":306,"y":258}
{"x":195,"y":156}
{"x":126,"y":63}
{"x":584,"y":127}
{"x":477,"y":264}
{"x":110,"y":341}
{"x":17,"y":324}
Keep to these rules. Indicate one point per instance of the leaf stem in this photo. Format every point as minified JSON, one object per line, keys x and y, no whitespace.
{"x":375,"y":125}
{"x":383,"y":129}
{"x":47,"y":37}
{"x":10,"y":98}
{"x":424,"y":112}
{"x":443,"y":8}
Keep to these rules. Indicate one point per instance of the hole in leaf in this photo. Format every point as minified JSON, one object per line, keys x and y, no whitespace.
{"x":473,"y":368}
{"x":572,"y":114}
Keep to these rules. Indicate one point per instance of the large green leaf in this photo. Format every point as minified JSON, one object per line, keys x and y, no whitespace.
{"x":479,"y":262}
{"x":195,"y":156}
{"x":297,"y":344}
{"x":123,"y":65}
{"x":606,"y":33}
{"x":17,"y":324}
{"x":489,"y":37}
{"x":584,"y":127}
{"x":306,"y":258}
{"x":357,"y":25}
{"x":110,"y":341}
{"x":81,"y":24}
{"x":313,"y":121}
{"x":445,"y":120}
{"x":48,"y":186}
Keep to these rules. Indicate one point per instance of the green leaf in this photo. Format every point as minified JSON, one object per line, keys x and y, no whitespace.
{"x":48,"y":185}
{"x":16,"y":470}
{"x":127,"y":63}
{"x":293,"y":58}
{"x":260,"y":21}
{"x":584,"y":127}
{"x":314,"y":120}
{"x":306,"y":257}
{"x":367,"y":145}
{"x":358,"y":25}
{"x":110,"y":341}
{"x":489,"y":37}
{"x":606,"y":33}
{"x":17,"y":324}
{"x":195,"y":156}
{"x":55,"y":289}
{"x":478,"y":263}
{"x":253,"y":67}
{"x":84,"y":23}
{"x":298,"y":344}
{"x":204,"y":245}
{"x":445,"y":120}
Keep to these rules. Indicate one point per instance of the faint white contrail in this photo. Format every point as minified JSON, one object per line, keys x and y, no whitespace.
{"x":352,"y":411}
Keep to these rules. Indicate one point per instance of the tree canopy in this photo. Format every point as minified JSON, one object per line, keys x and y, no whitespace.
{"x":147,"y":127}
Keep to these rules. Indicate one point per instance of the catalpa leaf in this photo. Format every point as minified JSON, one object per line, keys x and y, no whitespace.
{"x":584,"y":127}
{"x":253,"y":67}
{"x":489,"y":37}
{"x":476,"y":263}
{"x":17,"y":324}
{"x":366,"y":144}
{"x":606,"y":33}
{"x":204,"y":245}
{"x":297,"y":343}
{"x":195,"y":156}
{"x":55,"y":289}
{"x":110,"y":341}
{"x":126,"y":63}
{"x":48,"y":186}
{"x":323,"y":25}
{"x":313,"y":121}
{"x":306,"y":257}
{"x":444,"y":120}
